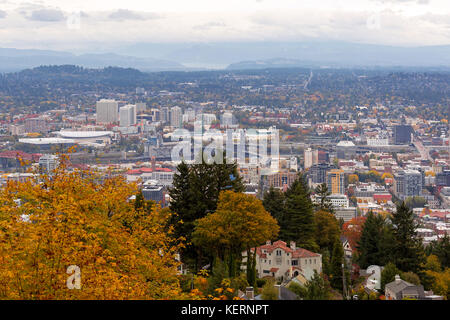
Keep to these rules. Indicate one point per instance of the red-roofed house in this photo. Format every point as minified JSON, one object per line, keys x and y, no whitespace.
{"x":283,"y":262}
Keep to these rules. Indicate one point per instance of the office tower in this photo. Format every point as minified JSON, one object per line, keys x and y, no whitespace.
{"x":408,"y":183}
{"x":141,"y":107}
{"x":107,"y":111}
{"x":176,"y":116}
{"x":227,"y":119}
{"x":165,"y":115}
{"x":402,"y":134}
{"x":128,"y":115}
{"x":311,"y":157}
{"x":48,"y":163}
{"x":318,"y":172}
{"x":443,"y":178}
{"x":335,"y":181}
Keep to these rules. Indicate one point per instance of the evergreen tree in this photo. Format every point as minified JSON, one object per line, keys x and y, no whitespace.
{"x":388,"y":274}
{"x":408,"y":249}
{"x":441,"y":249}
{"x":317,"y":288}
{"x":273,"y":202}
{"x":337,"y":259}
{"x":297,"y":223}
{"x":322,"y":193}
{"x":194,"y":194}
{"x":370,"y":245}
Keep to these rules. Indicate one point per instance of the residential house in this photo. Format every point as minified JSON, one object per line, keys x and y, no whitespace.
{"x":282,"y":262}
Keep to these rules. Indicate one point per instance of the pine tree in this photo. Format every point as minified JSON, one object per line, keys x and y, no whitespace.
{"x":297,"y":223}
{"x":194,"y":194}
{"x":273,"y":202}
{"x":372,"y":239}
{"x":322,"y":193}
{"x":337,"y":259}
{"x":408,"y":250}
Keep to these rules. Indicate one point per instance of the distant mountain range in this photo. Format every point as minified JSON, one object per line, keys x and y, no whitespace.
{"x":311,"y":53}
{"x":12,"y":60}
{"x":237,"y":55}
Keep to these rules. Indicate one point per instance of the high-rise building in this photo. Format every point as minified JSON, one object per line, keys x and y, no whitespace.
{"x":443,"y":178}
{"x":127,"y":115}
{"x":311,"y":157}
{"x":318,"y":172}
{"x":48,"y":163}
{"x":227,"y":119}
{"x":176,"y":117}
{"x":408,"y":183}
{"x":140,"y":107}
{"x":107,"y":111}
{"x":165,"y":115}
{"x":335,"y":181}
{"x":402,"y":134}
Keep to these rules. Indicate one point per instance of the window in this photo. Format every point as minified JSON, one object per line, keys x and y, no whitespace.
{"x":294,"y":262}
{"x":310,"y":261}
{"x":278,"y":252}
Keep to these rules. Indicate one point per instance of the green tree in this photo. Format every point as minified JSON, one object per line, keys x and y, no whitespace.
{"x":273,"y":202}
{"x":408,"y":249}
{"x":298,"y":289}
{"x":194,"y":194}
{"x":388,"y":274}
{"x":337,"y":259}
{"x":269,"y":292}
{"x":373,"y":238}
{"x":410,"y":277}
{"x":324,"y":203}
{"x":441,"y":249}
{"x":297,"y":223}
{"x":317,"y":288}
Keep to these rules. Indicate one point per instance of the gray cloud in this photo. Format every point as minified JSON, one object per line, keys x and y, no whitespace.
{"x":125,"y":14}
{"x":3,"y":14}
{"x":209,"y":25}
{"x":46,"y":15}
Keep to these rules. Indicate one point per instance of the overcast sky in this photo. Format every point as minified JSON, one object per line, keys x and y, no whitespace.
{"x":91,"y":25}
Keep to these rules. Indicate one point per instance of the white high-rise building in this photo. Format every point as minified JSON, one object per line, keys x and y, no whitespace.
{"x":127,"y":115}
{"x":48,"y":163}
{"x":107,"y":111}
{"x":311,"y":157}
{"x":176,"y":117}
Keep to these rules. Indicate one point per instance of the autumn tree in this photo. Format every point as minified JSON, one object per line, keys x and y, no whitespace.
{"x":80,"y":220}
{"x":194,"y":194}
{"x":352,"y":230}
{"x":326,"y":229}
{"x":239,"y":223}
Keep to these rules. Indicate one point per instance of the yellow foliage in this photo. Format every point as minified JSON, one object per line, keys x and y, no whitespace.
{"x":240,"y":221}
{"x":73,"y":219}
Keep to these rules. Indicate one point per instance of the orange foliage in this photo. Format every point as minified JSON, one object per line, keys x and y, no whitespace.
{"x":74,"y":218}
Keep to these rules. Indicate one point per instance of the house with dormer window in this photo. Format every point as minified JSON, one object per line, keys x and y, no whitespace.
{"x":284,"y":262}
